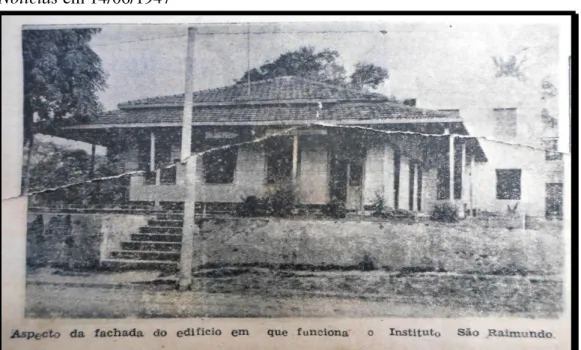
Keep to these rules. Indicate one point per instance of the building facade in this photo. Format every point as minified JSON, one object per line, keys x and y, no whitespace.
{"x":326,"y":142}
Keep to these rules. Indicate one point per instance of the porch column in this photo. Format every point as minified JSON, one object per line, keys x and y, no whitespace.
{"x":463,"y":179}
{"x":463,"y":171}
{"x":416,"y":186}
{"x":94,"y":188}
{"x":362,"y":191}
{"x":152,"y":151}
{"x":152,"y":166}
{"x":472,"y":185}
{"x":388,"y":176}
{"x":451,"y":167}
{"x":295,"y":158}
{"x":92,"y":168}
{"x":91,"y":174}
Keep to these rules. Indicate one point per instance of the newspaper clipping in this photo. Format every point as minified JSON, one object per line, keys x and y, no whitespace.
{"x":250,"y":182}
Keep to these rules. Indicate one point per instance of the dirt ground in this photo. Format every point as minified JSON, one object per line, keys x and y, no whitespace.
{"x":267,"y":293}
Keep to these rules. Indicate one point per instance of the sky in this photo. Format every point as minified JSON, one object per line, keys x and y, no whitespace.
{"x":444,"y":59}
{"x":430,"y":61}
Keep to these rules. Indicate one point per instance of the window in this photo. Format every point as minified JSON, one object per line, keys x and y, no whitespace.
{"x":551,"y":149}
{"x":396,"y":172}
{"x":144,"y":155}
{"x":355,"y":173}
{"x":279,"y":167}
{"x":219,"y":166}
{"x":505,"y":122}
{"x":554,"y":199}
{"x":508,"y":183}
{"x":443,"y":182}
{"x":279,"y":160}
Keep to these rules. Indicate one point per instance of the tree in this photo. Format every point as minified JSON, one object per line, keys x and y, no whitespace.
{"x":509,"y":68}
{"x":321,"y":66}
{"x":549,"y":92}
{"x":62,"y":75}
{"x":368,"y":75}
{"x":54,"y":166}
{"x":549,"y":88}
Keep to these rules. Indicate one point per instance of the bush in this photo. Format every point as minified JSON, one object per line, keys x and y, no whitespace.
{"x":378,"y":205}
{"x":281,"y":202}
{"x":250,"y":207}
{"x":368,"y":263}
{"x":446,"y":212}
{"x":336,"y":209}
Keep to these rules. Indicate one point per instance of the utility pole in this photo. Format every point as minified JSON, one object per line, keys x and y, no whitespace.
{"x":189,"y":229}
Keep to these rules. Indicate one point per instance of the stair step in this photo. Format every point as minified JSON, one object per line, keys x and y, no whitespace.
{"x":124,"y":264}
{"x":173,"y":216}
{"x":166,"y":223}
{"x":145,"y":255}
{"x":152,"y":246}
{"x":160,"y":229}
{"x":156,"y":237}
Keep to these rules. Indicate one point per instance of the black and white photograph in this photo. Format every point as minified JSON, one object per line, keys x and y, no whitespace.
{"x":340,"y":169}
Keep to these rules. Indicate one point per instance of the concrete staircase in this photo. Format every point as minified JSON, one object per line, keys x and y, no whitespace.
{"x":155,"y":246}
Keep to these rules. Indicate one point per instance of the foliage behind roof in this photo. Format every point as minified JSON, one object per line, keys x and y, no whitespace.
{"x":282,"y":89}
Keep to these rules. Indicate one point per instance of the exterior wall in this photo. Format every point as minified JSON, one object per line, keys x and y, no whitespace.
{"x":248,"y":181}
{"x":404,"y":184}
{"x":477,"y":110}
{"x":248,"y":178}
{"x":313,"y":177}
{"x":429,"y":190}
{"x":77,"y":240}
{"x":353,"y":197}
{"x":130,"y":156}
{"x":379,"y":173}
{"x":410,"y":146}
{"x":501,"y":156}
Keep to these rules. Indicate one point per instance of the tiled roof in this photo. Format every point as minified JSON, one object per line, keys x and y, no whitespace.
{"x":271,"y":113}
{"x":380,"y":110}
{"x":281,"y":100}
{"x":281,"y":89}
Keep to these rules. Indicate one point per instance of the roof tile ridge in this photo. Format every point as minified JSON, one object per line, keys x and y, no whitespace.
{"x":338,"y":87}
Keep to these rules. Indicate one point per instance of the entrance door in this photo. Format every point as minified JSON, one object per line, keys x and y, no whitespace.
{"x":554,"y":200}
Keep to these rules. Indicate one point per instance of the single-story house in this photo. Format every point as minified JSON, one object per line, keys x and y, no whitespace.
{"x":331,"y":143}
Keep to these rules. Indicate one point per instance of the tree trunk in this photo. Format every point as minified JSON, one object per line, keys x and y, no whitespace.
{"x":26,"y":179}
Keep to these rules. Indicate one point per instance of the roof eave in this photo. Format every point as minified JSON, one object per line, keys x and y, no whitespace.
{"x":247,"y":103}
{"x":273,"y":123}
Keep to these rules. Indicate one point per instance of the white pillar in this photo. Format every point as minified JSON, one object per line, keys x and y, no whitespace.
{"x":295,"y":158}
{"x":92,"y":169}
{"x":91,"y":176}
{"x":463,"y":192}
{"x":451,"y":165}
{"x":362,"y":189}
{"x":388,"y":179}
{"x":463,"y":179}
{"x":152,"y":151}
{"x":190,"y":229}
{"x":152,"y":166}
{"x":472,"y":184}
{"x":416,"y":188}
